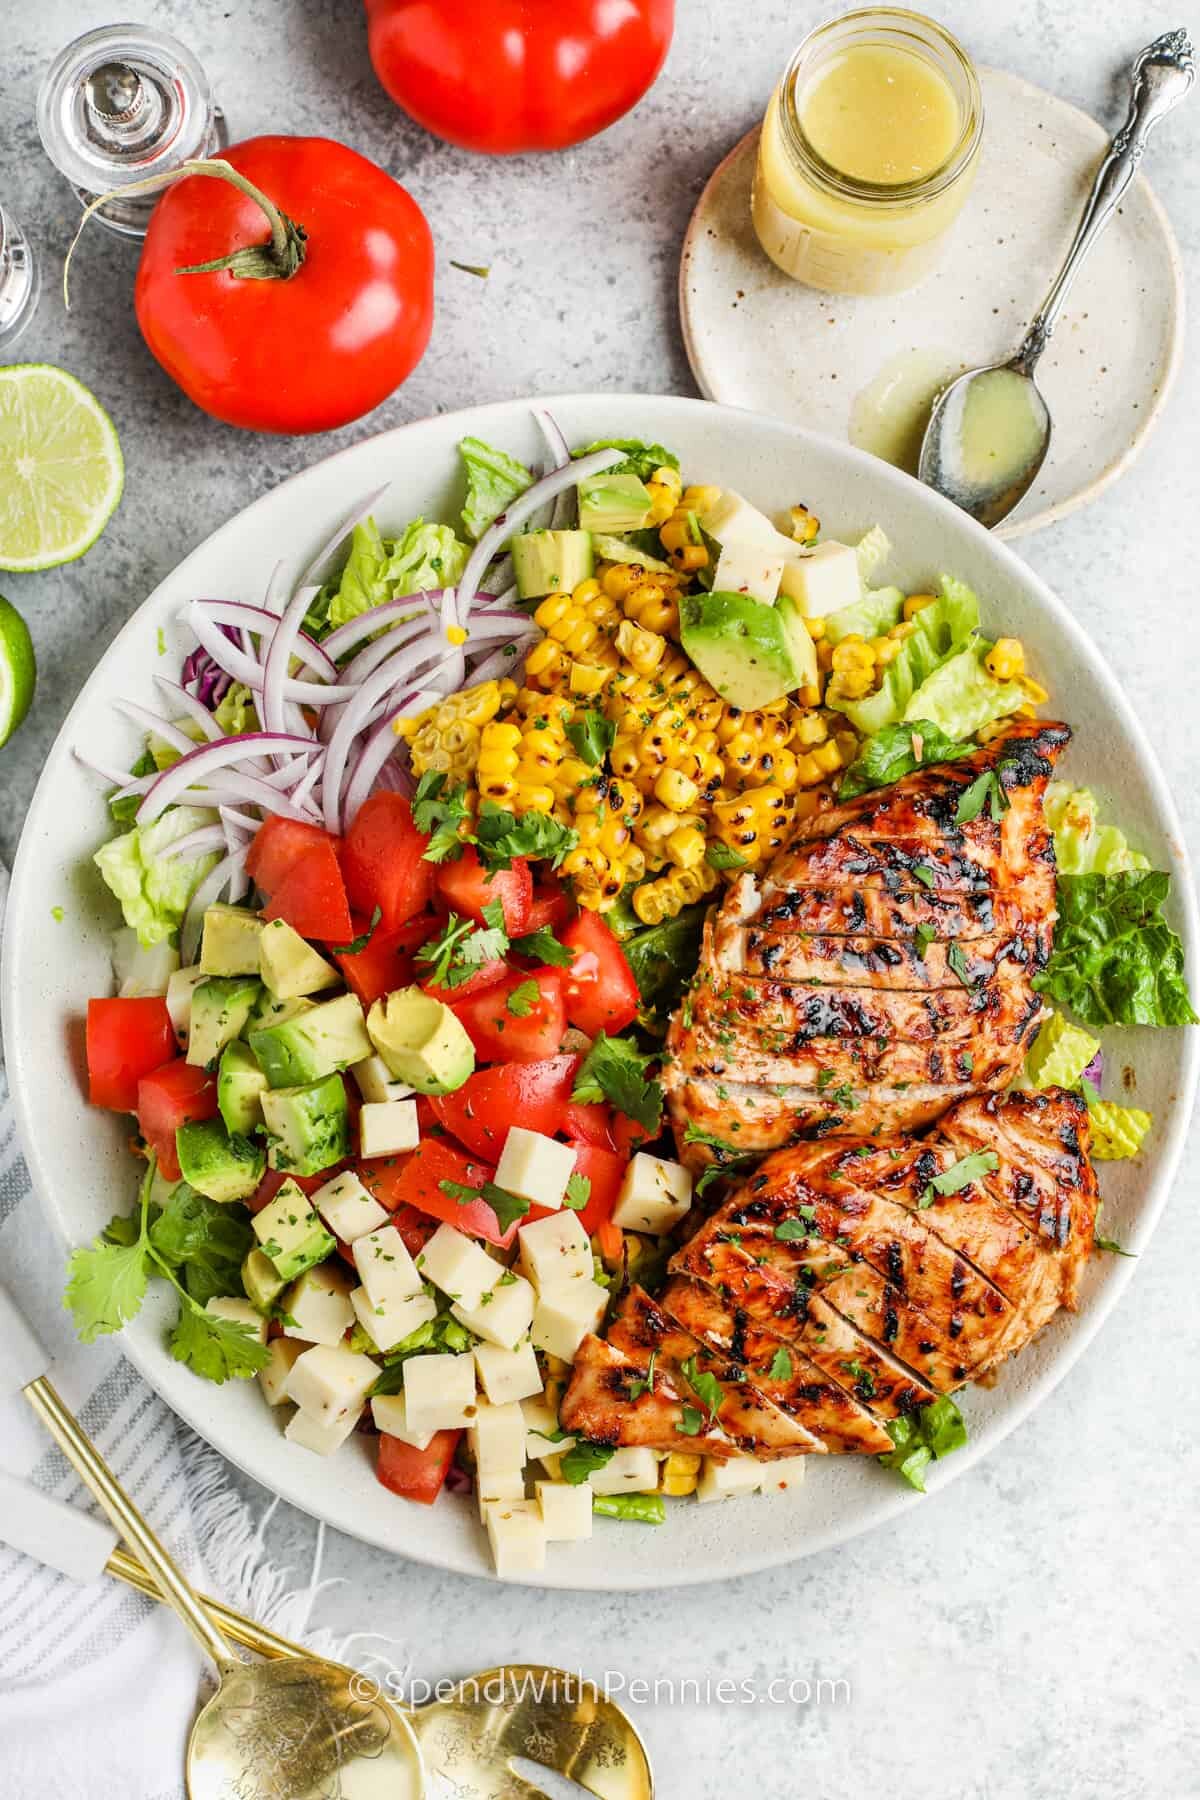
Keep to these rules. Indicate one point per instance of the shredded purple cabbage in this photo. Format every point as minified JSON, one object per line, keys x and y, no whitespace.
{"x":212,"y":683}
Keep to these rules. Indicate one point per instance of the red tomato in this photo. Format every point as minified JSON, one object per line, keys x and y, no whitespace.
{"x":467,"y":890}
{"x":510,"y":75}
{"x":599,"y":986}
{"x":170,"y":1097}
{"x":605,"y":1169}
{"x":532,"y":1094}
{"x":589,"y":1122}
{"x":314,"y":350}
{"x":296,"y":867}
{"x":500,"y":1035}
{"x":126,"y":1039}
{"x":382,"y":861}
{"x":551,"y":905}
{"x":416,"y":1474}
{"x":415,"y":1228}
{"x":628,"y":1135}
{"x":385,"y":961}
{"x":414,"y":1180}
{"x":486,"y":975}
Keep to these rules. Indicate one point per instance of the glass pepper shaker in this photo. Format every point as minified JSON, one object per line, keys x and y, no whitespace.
{"x":18,"y":281}
{"x":120,"y":104}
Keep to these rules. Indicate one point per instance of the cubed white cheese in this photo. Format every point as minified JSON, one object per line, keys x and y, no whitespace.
{"x":439,"y":1392}
{"x":496,"y":1435}
{"x":310,"y":1434}
{"x":554,"y":1250}
{"x":731,"y":518}
{"x":564,"y":1315}
{"x":390,"y":1413}
{"x":506,"y":1375}
{"x":633,"y":1470}
{"x":388,"y":1127}
{"x":822,"y":580}
{"x":543,"y":1436}
{"x":330,"y":1379}
{"x":180,"y":988}
{"x":749,"y":566}
{"x":239,"y":1312}
{"x":784,"y":1476}
{"x":721,"y":1480}
{"x":273,"y":1376}
{"x":566,"y":1510}
{"x":347,"y":1208}
{"x":506,"y":1485}
{"x":390,"y":1323}
{"x":317,"y":1306}
{"x":141,"y":969}
{"x":456,"y":1264}
{"x":517,"y":1537}
{"x":385,"y":1268}
{"x":504,"y":1313}
{"x":535,"y":1167}
{"x":655,"y":1194}
{"x":376,"y":1082}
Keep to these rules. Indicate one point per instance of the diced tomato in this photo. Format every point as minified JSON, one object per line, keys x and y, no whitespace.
{"x":532,"y":1094}
{"x":166,"y":1099}
{"x":599,"y":987}
{"x":415,"y":1228}
{"x":414,"y":1180}
{"x":628,"y":1135}
{"x":126,"y":1039}
{"x":277,"y":847}
{"x":551,"y":905}
{"x":416,"y":1474}
{"x":466,"y":890}
{"x":589,"y":1122}
{"x":485,"y":976}
{"x":385,"y":961}
{"x":501,"y":1035}
{"x":273,"y":1180}
{"x":296,"y":867}
{"x":605,"y":1170}
{"x":382,"y":861}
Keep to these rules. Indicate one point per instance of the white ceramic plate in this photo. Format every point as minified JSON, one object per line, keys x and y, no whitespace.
{"x":754,"y":338}
{"x":78,"y":1157}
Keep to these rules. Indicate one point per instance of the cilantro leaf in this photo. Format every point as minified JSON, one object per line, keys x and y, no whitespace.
{"x":615,"y":1070}
{"x":957,"y":962}
{"x":106,"y":1286}
{"x":501,"y":835}
{"x":925,"y":875}
{"x":542,"y":946}
{"x":644,"y":1384}
{"x":439,"y":811}
{"x":579,"y":1192}
{"x":923,"y":936}
{"x":898,"y":750}
{"x":781,"y":1365}
{"x":705,"y":1386}
{"x":462,"y":947}
{"x":691,"y":1421}
{"x":579,"y":1461}
{"x":987,"y":790}
{"x":591,"y":736}
{"x":214,"y":1347}
{"x":522,"y":1000}
{"x":507,"y":1207}
{"x":959,"y":1175}
{"x":794,"y":1231}
{"x":933,"y":1431}
{"x":357,"y":945}
{"x":724,"y":856}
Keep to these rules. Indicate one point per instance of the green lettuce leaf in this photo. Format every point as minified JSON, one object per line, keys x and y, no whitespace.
{"x":1117,"y":1131}
{"x":425,"y":556}
{"x":1082,"y":846}
{"x":933,"y":1431}
{"x":1059,"y":1054}
{"x":872,"y":550}
{"x":235,"y":714}
{"x":494,"y":479}
{"x":872,"y":616}
{"x":939,"y":631}
{"x":363,"y":582}
{"x":153,"y":893}
{"x":640,"y":459}
{"x":377,"y":569}
{"x":1116,"y":961}
{"x":960,"y":696}
{"x":899,"y":750}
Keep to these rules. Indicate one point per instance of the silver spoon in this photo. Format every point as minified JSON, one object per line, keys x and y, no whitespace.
{"x":989,"y":431}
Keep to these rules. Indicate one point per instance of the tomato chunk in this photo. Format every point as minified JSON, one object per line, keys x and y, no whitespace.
{"x":589,"y":1122}
{"x":467,"y":889}
{"x":599,"y":986}
{"x":551,"y":905}
{"x":532,"y":1094}
{"x":485,"y":976}
{"x":166,"y":1099}
{"x":605,"y":1170}
{"x":414,"y":1180}
{"x":382,"y":861}
{"x":416,"y":1474}
{"x":126,"y":1039}
{"x":528,"y":1034}
{"x":386,"y":960}
{"x":296,"y":866}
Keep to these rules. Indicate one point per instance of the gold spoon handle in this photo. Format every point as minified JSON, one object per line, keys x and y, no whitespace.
{"x":236,"y":1626}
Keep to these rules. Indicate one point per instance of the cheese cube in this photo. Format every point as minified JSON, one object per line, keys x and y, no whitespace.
{"x":389,"y":1324}
{"x":731,"y":518}
{"x":509,"y":1485}
{"x":565,"y":1314}
{"x":555,"y":1250}
{"x":347,"y":1208}
{"x":784,"y":1476}
{"x":317,"y":1306}
{"x":543,"y":1435}
{"x":507,"y":1375}
{"x":390,"y":1413}
{"x":566,"y":1511}
{"x":388,"y":1127}
{"x":439,"y":1392}
{"x":385,"y":1268}
{"x":504,"y":1313}
{"x":535,"y":1167}
{"x":273,"y":1376}
{"x":822,"y":580}
{"x":180,"y":988}
{"x":633,"y":1470}
{"x":517,"y":1537}
{"x":496,"y":1435}
{"x":457,"y":1265}
{"x":239,"y":1312}
{"x":751,"y":567}
{"x":376,"y":1082}
{"x":655,"y":1194}
{"x":722,"y":1480}
{"x":329,"y":1379}
{"x":308,"y":1432}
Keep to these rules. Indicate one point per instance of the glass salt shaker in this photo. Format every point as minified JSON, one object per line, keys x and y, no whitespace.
{"x":121,"y":104}
{"x":18,"y":282}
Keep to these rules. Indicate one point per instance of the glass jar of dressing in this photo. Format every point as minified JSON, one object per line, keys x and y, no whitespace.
{"x":867,"y":152}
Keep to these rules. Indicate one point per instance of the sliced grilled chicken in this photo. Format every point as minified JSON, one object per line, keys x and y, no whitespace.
{"x":907,"y":965}
{"x":878,"y":911}
{"x":750,"y":1121}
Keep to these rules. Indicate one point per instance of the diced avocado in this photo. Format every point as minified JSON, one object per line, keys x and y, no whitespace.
{"x":620,"y":550}
{"x":272,"y":1011}
{"x":240,"y":1085}
{"x":230,"y":942}
{"x":221,"y":1008}
{"x":804,"y":651}
{"x":220,"y":1164}
{"x":612,"y":503}
{"x":421,"y":1041}
{"x":289,"y":966}
{"x":312,"y":1043}
{"x":308,"y":1128}
{"x":742,"y":647}
{"x":262,"y":1281}
{"x":550,"y":562}
{"x":291,"y":1235}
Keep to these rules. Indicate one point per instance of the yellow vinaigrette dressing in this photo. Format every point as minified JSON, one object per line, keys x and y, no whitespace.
{"x":867,"y":152}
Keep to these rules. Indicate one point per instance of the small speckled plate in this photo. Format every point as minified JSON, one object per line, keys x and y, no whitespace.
{"x":757,"y":339}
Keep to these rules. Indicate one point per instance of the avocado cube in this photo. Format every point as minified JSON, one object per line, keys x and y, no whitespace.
{"x":312,"y":1043}
{"x":271,"y":1011}
{"x":619,"y":550}
{"x":746,"y":650}
{"x":229,"y":945}
{"x":221,"y":1007}
{"x":289,"y":966}
{"x":180,"y":988}
{"x":421,"y":1041}
{"x":262,"y":1281}
{"x":291,"y":1235}
{"x":551,"y":562}
{"x":613,"y":503}
{"x":240,"y":1086}
{"x":308,"y":1127}
{"x":217,"y":1163}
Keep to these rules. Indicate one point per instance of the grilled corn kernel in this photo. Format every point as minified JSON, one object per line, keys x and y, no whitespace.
{"x":679,"y":1473}
{"x":620,"y":580}
{"x":690,"y":559}
{"x":531,"y":797}
{"x":700,"y":499}
{"x":886,"y":649}
{"x":1037,"y":694}
{"x":685,"y":847}
{"x":1006,"y":659}
{"x":585,"y":679}
{"x":805,"y":525}
{"x":650,"y":605}
{"x":669,"y":478}
{"x":809,"y":728}
{"x":676,"y":532}
{"x":585,"y":591}
{"x":676,"y":790}
{"x":552,"y":609}
{"x":663,"y":501}
{"x":917,"y":603}
{"x":642,"y":649}
{"x":816,"y":628}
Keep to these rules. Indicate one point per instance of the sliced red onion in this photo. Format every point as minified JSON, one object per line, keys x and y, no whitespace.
{"x":375,"y":753}
{"x":248,"y":790}
{"x":210,"y":889}
{"x":357,"y":715}
{"x":365,"y":625}
{"x":198,"y":762}
{"x":560,"y":456}
{"x":301,"y":794}
{"x":195,"y":709}
{"x":197,"y":843}
{"x":240,"y":615}
{"x":253,"y":674}
{"x":159,"y":728}
{"x":277,"y":662}
{"x":238,"y":821}
{"x":121,"y":781}
{"x":458,"y":666}
{"x":314,"y":574}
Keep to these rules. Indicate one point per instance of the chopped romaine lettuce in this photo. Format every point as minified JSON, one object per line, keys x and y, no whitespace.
{"x":362,"y":583}
{"x":1117,"y":1131}
{"x":872,"y":549}
{"x":1059,"y":1055}
{"x":494,"y":480}
{"x":961,"y":696}
{"x":1082,"y":846}
{"x":939,"y":630}
{"x":425,"y":556}
{"x":422,"y":557}
{"x":640,"y":459}
{"x":154,"y":893}
{"x":1116,"y":961}
{"x":872,"y":616}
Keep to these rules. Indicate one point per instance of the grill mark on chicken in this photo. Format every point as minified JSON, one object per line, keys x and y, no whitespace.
{"x":755,"y":1120}
{"x":849,"y":961}
{"x":877,"y":912}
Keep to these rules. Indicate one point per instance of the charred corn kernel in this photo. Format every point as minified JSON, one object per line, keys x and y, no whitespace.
{"x":679,"y":1473}
{"x":851,"y":684}
{"x":649,"y":904}
{"x":545,"y":666}
{"x":669,"y":478}
{"x":853,"y":653}
{"x":886,"y":649}
{"x":702,"y":767}
{"x":809,"y":728}
{"x":530,"y":797}
{"x":700,"y":499}
{"x":620,"y":580}
{"x":685,"y":847}
{"x":662,"y":502}
{"x":584,"y":679}
{"x":917,"y":603}
{"x":676,"y":790}
{"x":1038,"y":695}
{"x":818,"y":763}
{"x":550,"y":611}
{"x":656,"y":825}
{"x":585,"y":591}
{"x":690,"y":559}
{"x":500,"y":788}
{"x":784,"y":772}
{"x":1006,"y":659}
{"x":635,"y":863}
{"x":805,"y":524}
{"x":642,"y":649}
{"x":649,"y":605}
{"x":676,"y":533}
{"x":587,"y":867}
{"x":809,"y":695}
{"x":623,"y":758}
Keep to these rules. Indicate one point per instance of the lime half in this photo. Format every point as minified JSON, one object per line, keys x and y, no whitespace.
{"x":61,"y":471}
{"x":18,"y":671}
